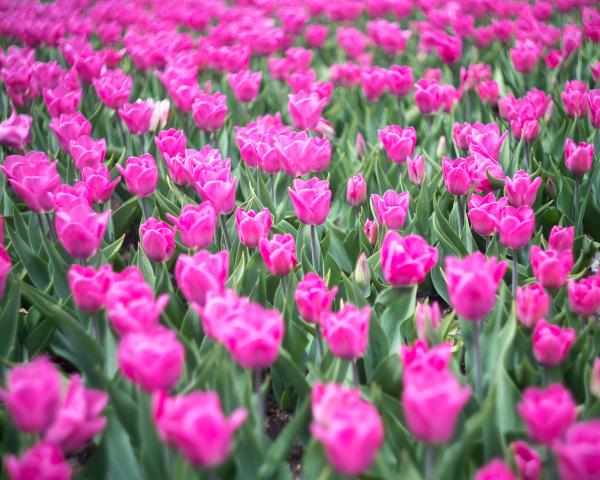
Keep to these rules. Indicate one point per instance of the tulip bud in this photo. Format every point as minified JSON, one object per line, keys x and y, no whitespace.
{"x":360,"y":147}
{"x":441,"y":146}
{"x":551,"y":188}
{"x":362,"y":273}
{"x":372,"y":231}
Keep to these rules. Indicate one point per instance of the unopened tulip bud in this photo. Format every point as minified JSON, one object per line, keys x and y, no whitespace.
{"x":441,"y":147}
{"x":362,"y":273}
{"x":360,"y":146}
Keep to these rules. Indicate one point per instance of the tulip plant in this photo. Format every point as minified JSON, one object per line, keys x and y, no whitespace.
{"x":320,"y":239}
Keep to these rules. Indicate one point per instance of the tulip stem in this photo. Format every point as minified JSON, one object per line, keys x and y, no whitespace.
{"x":429,"y":462}
{"x":223,"y":221}
{"x":319,"y":338}
{"x":527,"y":155}
{"x":272,"y":187}
{"x":477,"y":360}
{"x":145,"y":208}
{"x":355,"y":375}
{"x":515,"y":278}
{"x":313,"y":246}
{"x":461,"y":214}
{"x":51,"y":227}
{"x":576,"y":203}
{"x":260,"y":403}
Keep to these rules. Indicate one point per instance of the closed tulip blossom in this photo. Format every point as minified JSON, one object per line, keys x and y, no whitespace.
{"x":371,"y":230}
{"x":89,"y":286}
{"x":391,"y":208}
{"x":316,"y":35}
{"x":33,"y":178}
{"x":484,"y":211}
{"x":427,"y":317}
{"x":80,"y":229}
{"x":525,"y":55}
{"x":427,"y":94}
{"x":547,"y":412}
{"x":533,"y":304}
{"x":416,"y":169}
{"x":374,"y":81}
{"x":5,"y":268}
{"x":218,"y":309}
{"x":578,"y":157}
{"x":405,"y":261}
{"x":311,"y":200}
{"x":252,"y":226}
{"x":561,"y":238}
{"x":209,"y":111}
{"x":196,"y":225}
{"x":521,"y":189}
{"x":170,"y":142}
{"x":197,"y":426}
{"x":15,"y":131}
{"x":79,"y":418}
{"x":349,"y":427}
{"x":199,"y":274}
{"x":137,"y":116}
{"x":399,"y":143}
{"x":495,"y":470}
{"x":158,"y":239}
{"x":87,"y":152}
{"x":527,"y":460}
{"x":62,"y":99}
{"x":141,"y":175}
{"x":70,"y":126}
{"x":113,"y":87}
{"x":458,"y":175}
{"x":305,"y":109}
{"x":399,"y":80}
{"x":245,"y":85}
{"x":298,"y":154}
{"x":550,"y":268}
{"x":43,"y":461}
{"x":152,"y":359}
{"x":578,"y":455}
{"x":516,"y":226}
{"x":347,"y":331}
{"x":356,"y":190}
{"x":98,"y":185}
{"x":313,"y":298}
{"x":574,"y":98}
{"x":279,"y":254}
{"x":67,"y":195}
{"x":551,"y":343}
{"x":584,"y":296}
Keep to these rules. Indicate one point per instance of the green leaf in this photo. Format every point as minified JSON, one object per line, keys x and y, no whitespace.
{"x":288,"y":369}
{"x":9,"y":318}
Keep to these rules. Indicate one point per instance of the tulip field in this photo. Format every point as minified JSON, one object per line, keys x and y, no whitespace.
{"x":299,"y":239}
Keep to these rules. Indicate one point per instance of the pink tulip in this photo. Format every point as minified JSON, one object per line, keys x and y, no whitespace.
{"x":80,"y":229}
{"x":449,"y":48}
{"x":574,"y":98}
{"x":305,"y":109}
{"x":495,"y":470}
{"x":489,"y":91}
{"x":299,"y":154}
{"x":32,"y":395}
{"x":98,"y":186}
{"x":158,"y":239}
{"x":371,"y":231}
{"x":399,"y":143}
{"x":218,"y":309}
{"x":405,"y":261}
{"x":473,"y":283}
{"x":113,"y":87}
{"x":316,"y":35}
{"x":70,"y":126}
{"x":252,"y":226}
{"x":170,"y":142}
{"x":547,"y":412}
{"x":391,"y":208}
{"x":578,"y":157}
{"x":137,"y":116}
{"x":152,"y":359}
{"x":584,"y":296}
{"x":460,"y":135}
{"x":427,"y":317}
{"x":209,"y":111}
{"x":533,"y":304}
{"x":374,"y":81}
{"x":595,"y":379}
{"x":356,"y":190}
{"x":66,"y":195}
{"x":551,"y":344}
{"x":525,"y":55}
{"x":15,"y":131}
{"x":527,"y":460}
{"x":578,"y":456}
{"x":89,"y":286}
{"x":43,"y":461}
{"x":416,"y":169}
{"x":311,"y":200}
{"x":399,"y":80}
{"x":352,"y":41}
{"x":62,"y":99}
{"x":347,"y":331}
{"x":5,"y":268}
{"x":279,"y":254}
{"x":196,"y":224}
{"x":360,"y":146}
{"x":349,"y":427}
{"x":550,"y":268}
{"x":196,"y":425}
{"x":458,"y":175}
{"x":483,"y":213}
{"x":199,"y":274}
{"x":245,"y":85}
{"x":427,"y":96}
{"x":521,"y":189}
{"x":594,"y":107}
{"x":141,"y":175}
{"x":78,"y":419}
{"x":87,"y":152}
{"x":419,"y":359}
{"x":515,"y":226}
{"x":561,"y":238}
{"x":313,"y":299}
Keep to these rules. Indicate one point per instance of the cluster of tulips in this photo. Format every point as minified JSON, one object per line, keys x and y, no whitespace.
{"x":378,"y":215}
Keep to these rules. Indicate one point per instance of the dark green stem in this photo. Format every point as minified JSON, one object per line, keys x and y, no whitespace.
{"x":477,"y":360}
{"x":355,"y":375}
{"x":223,"y":221}
{"x":260,"y":403}
{"x":576,"y":203}
{"x":313,"y":247}
{"x":515,"y":276}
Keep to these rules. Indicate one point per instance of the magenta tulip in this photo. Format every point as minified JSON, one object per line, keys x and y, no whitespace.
{"x":196,"y":224}
{"x":43,"y":461}
{"x":311,"y":200}
{"x":521,"y":189}
{"x":550,"y":268}
{"x":199,"y":274}
{"x":399,"y":143}
{"x":533,"y":304}
{"x":527,"y":460}
{"x":578,"y":157}
{"x":391,"y":208}
{"x":578,"y":456}
{"x":347,"y":331}
{"x":141,"y":175}
{"x":584,"y":296}
{"x":313,"y":298}
{"x":89,"y":286}
{"x":279,"y":254}
{"x":406,"y":260}
{"x":80,"y":229}
{"x":306,"y":109}
{"x":551,"y":343}
{"x":356,"y":190}
{"x":252,"y":226}
{"x":515,"y":226}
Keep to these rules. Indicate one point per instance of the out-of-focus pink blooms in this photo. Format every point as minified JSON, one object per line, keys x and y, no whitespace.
{"x":170,"y":142}
{"x":458,"y":175}
{"x":584,"y":296}
{"x":474,"y":75}
{"x":416,"y":169}
{"x":374,"y":81}
{"x":43,"y":461}
{"x":113,"y":87}
{"x":578,"y":456}
{"x":388,"y":36}
{"x":211,"y":176}
{"x":553,"y":59}
{"x":141,"y":175}
{"x":90,"y":64}
{"x":432,"y":401}
{"x":89,"y":286}
{"x":473,"y":283}
{"x":352,"y":41}
{"x":78,"y":419}
{"x":550,"y":267}
{"x":217,"y":310}
{"x":578,"y":157}
{"x":70,"y":126}
{"x":575,"y":99}
{"x":311,"y":200}
{"x":356,"y":190}
{"x":61,"y":99}
{"x":449,"y":48}
{"x":547,"y":412}
{"x":15,"y":131}
{"x":399,"y":80}
{"x":158,"y":239}
{"x":66,"y":195}
{"x":391,"y":208}
{"x":516,"y":226}
{"x":152,"y":359}
{"x":316,"y":35}
{"x":279,"y":254}
{"x":595,"y":379}
{"x":427,"y":316}
{"x":305,"y":109}
{"x":595,"y":70}
{"x":349,"y":427}
{"x":460,"y":134}
{"x":5,"y":267}
{"x":297,"y":153}
{"x":137,"y":116}
{"x":348,"y":74}
{"x":130,"y":302}
{"x":177,"y":166}
{"x":33,"y":178}
{"x":98,"y":186}
{"x":399,"y":143}
{"x":525,"y":55}
{"x":252,"y":226}
{"x":406,"y":260}
{"x":527,"y":460}
{"x":571,"y":39}
{"x":427,"y":96}
{"x":551,"y":344}
{"x":87,"y":152}
{"x":360,"y":146}
{"x":196,"y":224}
{"x":313,"y":299}
{"x":561,"y":238}
{"x":532,"y":304}
{"x":347,"y":331}
{"x":483,"y":212}
{"x":484,"y":141}
{"x":524,"y":127}
{"x":521,"y":189}
{"x":449,"y":96}
{"x":489,"y":91}
{"x":495,"y":470}
{"x":32,"y":395}
{"x":419,"y":358}
{"x":199,"y":274}
{"x":196,"y":425}
{"x":371,"y":231}
{"x":245,"y":85}
{"x":80,"y":229}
